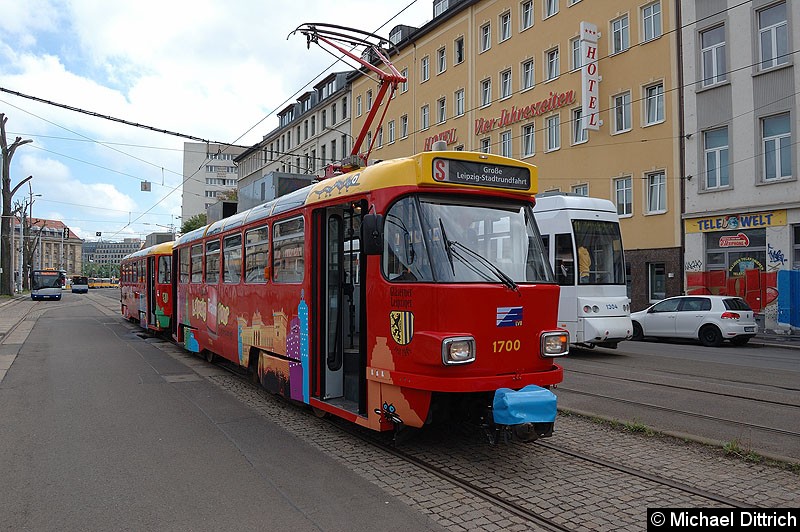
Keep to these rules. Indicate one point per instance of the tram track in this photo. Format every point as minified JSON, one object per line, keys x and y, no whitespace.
{"x":697,"y":390}
{"x":382,"y":443}
{"x":682,"y":412}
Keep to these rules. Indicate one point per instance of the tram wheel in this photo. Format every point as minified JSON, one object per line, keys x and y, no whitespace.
{"x":318,"y":412}
{"x":210,"y":356}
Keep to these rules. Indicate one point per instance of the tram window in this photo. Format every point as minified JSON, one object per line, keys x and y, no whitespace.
{"x":288,"y":260}
{"x":256,"y":255}
{"x":164,"y":270}
{"x":142,"y":272}
{"x":183,"y":259}
{"x":232,"y":259}
{"x":212,"y":261}
{"x":565,"y":260}
{"x":197,"y":263}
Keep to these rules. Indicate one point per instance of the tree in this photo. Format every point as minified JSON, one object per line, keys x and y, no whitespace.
{"x":196,"y":221}
{"x":7,"y":226}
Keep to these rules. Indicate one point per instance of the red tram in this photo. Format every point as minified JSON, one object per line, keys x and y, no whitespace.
{"x":146,"y":287}
{"x":413,"y":291}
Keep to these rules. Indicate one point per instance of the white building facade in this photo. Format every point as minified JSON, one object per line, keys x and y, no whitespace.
{"x":742,"y":198}
{"x":208,"y":172}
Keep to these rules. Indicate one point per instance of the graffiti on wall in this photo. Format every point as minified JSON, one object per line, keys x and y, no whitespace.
{"x":694,"y":266}
{"x":776,"y":256}
{"x":757,"y":287}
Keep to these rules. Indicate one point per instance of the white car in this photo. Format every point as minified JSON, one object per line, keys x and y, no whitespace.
{"x":710,"y":319}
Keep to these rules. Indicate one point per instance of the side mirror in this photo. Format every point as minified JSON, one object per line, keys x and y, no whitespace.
{"x":372,"y":234}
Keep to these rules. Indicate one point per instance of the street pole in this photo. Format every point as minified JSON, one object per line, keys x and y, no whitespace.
{"x":21,"y":248}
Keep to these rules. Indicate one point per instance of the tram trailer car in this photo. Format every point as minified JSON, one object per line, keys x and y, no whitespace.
{"x":145,"y":284}
{"x":410,"y":292}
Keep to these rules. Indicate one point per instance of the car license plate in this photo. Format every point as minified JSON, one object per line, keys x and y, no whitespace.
{"x":749,"y":329}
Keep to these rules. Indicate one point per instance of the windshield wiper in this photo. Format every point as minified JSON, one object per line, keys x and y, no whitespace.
{"x":447,"y":246}
{"x":503,"y":276}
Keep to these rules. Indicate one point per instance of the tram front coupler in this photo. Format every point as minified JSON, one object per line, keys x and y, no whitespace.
{"x":526,"y":414}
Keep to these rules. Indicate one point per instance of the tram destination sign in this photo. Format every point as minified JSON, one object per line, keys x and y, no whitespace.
{"x":481,"y":174}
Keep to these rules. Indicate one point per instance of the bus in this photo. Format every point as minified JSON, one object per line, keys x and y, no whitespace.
{"x":79,"y":284}
{"x":47,"y":284}
{"x":584,"y":246}
{"x":410,"y":292}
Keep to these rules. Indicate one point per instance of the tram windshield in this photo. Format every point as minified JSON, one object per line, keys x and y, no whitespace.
{"x":599,"y":245}
{"x":433,"y":239}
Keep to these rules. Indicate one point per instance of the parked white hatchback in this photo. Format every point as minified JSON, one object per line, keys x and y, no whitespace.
{"x":710,"y":319}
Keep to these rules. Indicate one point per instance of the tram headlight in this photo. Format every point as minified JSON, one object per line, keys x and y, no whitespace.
{"x":555,"y":344}
{"x":458,"y":350}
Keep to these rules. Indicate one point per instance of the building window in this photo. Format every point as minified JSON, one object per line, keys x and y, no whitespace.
{"x":379,"y":138}
{"x":525,"y":15}
{"x":622,"y":112}
{"x":486,"y":37}
{"x":713,"y":56}
{"x":623,"y":190}
{"x":441,"y":60}
{"x":313,"y":125}
{"x":773,"y":36}
{"x":657,"y":281}
{"x":424,"y":117}
{"x":459,"y":103}
{"x":333,"y":150}
{"x":550,"y":8}
{"x":651,"y":21}
{"x":716,"y":152}
{"x":553,"y":138}
{"x":344,"y":146}
{"x":391,"y":131}
{"x":333,"y":114}
{"x":654,"y":103}
{"x":404,"y":85}
{"x":551,"y":64}
{"x":527,"y":75}
{"x":505,"y":143}
{"x":505,"y":26}
{"x":486,"y":145}
{"x":441,"y":110}
{"x":620,"y":35}
{"x":505,"y":84}
{"x":796,"y":247}
{"x":776,"y":144}
{"x":458,"y":51}
{"x":439,"y":7}
{"x":425,"y":69}
{"x":528,"y":145}
{"x":575,"y":46}
{"x":656,"y":192}
{"x":581,"y":190}
{"x":324,"y":115}
{"x":486,"y":92}
{"x":579,"y":133}
{"x":344,"y":108}
{"x":305,"y":130}
{"x":403,"y":126}
{"x":358,"y":105}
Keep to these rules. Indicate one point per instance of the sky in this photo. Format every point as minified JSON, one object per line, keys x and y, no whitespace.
{"x":214,"y":69}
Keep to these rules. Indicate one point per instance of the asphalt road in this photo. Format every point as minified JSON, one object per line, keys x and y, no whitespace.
{"x":101,"y":431}
{"x":743,"y":396}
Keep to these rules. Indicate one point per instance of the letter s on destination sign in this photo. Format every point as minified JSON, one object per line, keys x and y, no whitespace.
{"x":440,"y":170}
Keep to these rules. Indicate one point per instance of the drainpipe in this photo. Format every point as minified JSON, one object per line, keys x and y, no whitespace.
{"x":682,"y":147}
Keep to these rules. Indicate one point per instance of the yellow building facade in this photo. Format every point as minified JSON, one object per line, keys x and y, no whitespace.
{"x":508,"y":77}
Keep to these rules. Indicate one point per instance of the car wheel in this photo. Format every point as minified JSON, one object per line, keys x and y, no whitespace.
{"x":710,"y":336}
{"x":638,"y":333}
{"x":740,"y":340}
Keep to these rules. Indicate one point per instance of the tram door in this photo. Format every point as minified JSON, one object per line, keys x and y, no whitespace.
{"x":344,"y":370}
{"x":151,"y":290}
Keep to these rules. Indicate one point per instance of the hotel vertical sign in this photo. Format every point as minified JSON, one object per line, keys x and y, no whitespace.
{"x":590,"y":79}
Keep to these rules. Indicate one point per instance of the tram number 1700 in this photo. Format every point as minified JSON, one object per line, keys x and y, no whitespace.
{"x":501,"y":346}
